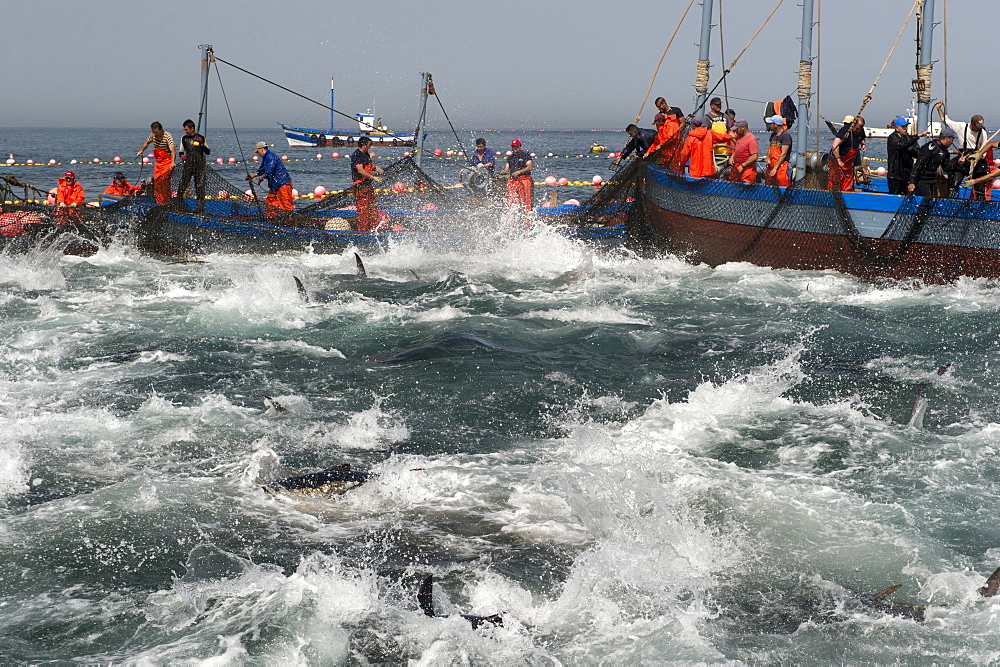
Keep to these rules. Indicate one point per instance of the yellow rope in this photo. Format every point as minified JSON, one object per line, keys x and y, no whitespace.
{"x":868,"y":97}
{"x":657,"y":70}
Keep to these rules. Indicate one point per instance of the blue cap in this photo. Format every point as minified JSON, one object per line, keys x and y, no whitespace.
{"x":948,"y":132}
{"x":900,"y":121}
{"x":696,"y":121}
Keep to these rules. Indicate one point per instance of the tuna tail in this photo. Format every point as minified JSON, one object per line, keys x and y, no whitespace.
{"x":415,"y":276}
{"x":886,"y":592}
{"x":992,"y":584}
{"x":302,"y":289}
{"x":271,"y":403}
{"x":425,"y":595}
{"x":361,"y":266}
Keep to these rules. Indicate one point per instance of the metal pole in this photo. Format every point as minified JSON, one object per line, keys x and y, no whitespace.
{"x":804,"y":88}
{"x":701,"y":75}
{"x":333,"y":114}
{"x":419,"y":134}
{"x":206,"y":65}
{"x":924,"y":65}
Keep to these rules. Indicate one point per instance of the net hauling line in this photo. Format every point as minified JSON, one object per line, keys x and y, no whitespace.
{"x":868,"y":97}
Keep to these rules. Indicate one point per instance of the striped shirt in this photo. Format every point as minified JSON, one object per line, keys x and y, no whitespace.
{"x":165,"y":143}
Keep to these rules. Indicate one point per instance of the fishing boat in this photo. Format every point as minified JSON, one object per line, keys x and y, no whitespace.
{"x":368,"y":126}
{"x":805,"y":226}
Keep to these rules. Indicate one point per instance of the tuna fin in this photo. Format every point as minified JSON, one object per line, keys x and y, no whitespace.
{"x":361,"y":266}
{"x":425,"y":595}
{"x":886,"y":592}
{"x":271,"y":403}
{"x":415,"y":276}
{"x":302,"y":289}
{"x":479,"y":621}
{"x":992,"y":584}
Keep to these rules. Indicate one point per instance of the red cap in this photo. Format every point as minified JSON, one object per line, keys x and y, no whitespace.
{"x":69,"y":174}
{"x":516,"y":142}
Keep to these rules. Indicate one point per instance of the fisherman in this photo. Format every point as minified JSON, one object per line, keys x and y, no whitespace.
{"x":718,"y":121}
{"x":849,"y":142}
{"x":969,"y":138}
{"x":363,"y":174}
{"x":669,"y":123}
{"x":641,"y":140}
{"x":520,"y":187}
{"x":165,"y":156}
{"x":195,"y":151}
{"x":279,"y":183}
{"x":779,"y":148}
{"x":745,"y":155}
{"x":483,"y":156}
{"x":730,"y":118}
{"x":69,"y":194}
{"x":973,"y":182}
{"x":699,"y":148}
{"x":902,"y":150}
{"x":120,"y":187}
{"x":933,"y":156}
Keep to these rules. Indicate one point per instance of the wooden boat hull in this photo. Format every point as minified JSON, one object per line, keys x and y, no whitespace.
{"x":717,"y":222}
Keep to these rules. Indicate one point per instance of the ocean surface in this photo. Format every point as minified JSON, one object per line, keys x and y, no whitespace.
{"x":632,"y":459}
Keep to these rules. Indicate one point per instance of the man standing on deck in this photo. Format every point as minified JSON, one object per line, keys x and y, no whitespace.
{"x":195,"y":151}
{"x":901,"y":148}
{"x":642,"y":139}
{"x":669,"y":123}
{"x":778,"y":150}
{"x":520,"y":187}
{"x":849,"y":142}
{"x":483,"y":157}
{"x":744,"y":157}
{"x":718,"y":121}
{"x":969,"y":138}
{"x":165,"y":156}
{"x":933,"y":155}
{"x":363,"y":174}
{"x":279,"y":183}
{"x":699,"y":148}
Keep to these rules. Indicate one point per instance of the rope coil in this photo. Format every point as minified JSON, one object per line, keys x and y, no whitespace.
{"x":805,"y":79}
{"x":701,"y":78}
{"x":924,"y":83}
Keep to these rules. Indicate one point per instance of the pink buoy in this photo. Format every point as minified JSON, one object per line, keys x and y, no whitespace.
{"x":71,"y":161}
{"x":150,"y":156}
{"x":450,"y":152}
{"x":563,"y":181}
{"x":218,"y":160}
{"x":533,"y":155}
{"x":550,"y":180}
{"x":223,"y":194}
{"x":52,"y":161}
{"x":145,"y":160}
{"x":438,"y":151}
{"x":248,"y":194}
{"x":462,"y":153}
{"x":319,"y":156}
{"x":29,"y":162}
{"x":571,"y":202}
{"x":335,"y":155}
{"x":398,"y":187}
{"x":510,"y":152}
{"x":996,"y":163}
{"x":97,"y":160}
{"x":320,"y":191}
{"x":406,"y":154}
{"x":597,"y":180}
{"x":285,"y":158}
{"x":51,"y":199}
{"x":880,"y":171}
{"x":428,"y":207}
{"x":295,"y":193}
{"x":232,"y":160}
{"x":996,"y":184}
{"x":117,"y":160}
{"x":547,"y":204}
{"x":372,"y":154}
{"x":256,"y":158}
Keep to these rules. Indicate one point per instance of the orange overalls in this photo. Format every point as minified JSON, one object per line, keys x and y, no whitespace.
{"x":364,"y":199}
{"x":162,"y":170}
{"x":699,"y":148}
{"x":70,"y":194}
{"x":774,"y":150}
{"x":668,"y":142}
{"x":520,"y":193}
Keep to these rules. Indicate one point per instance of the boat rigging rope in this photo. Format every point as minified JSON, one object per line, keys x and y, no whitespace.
{"x":945,"y":59}
{"x":819,"y":62}
{"x":868,"y":97}
{"x":243,"y":159}
{"x":430,"y":87}
{"x":289,"y":90}
{"x":657,"y":70}
{"x":722,"y":54}
{"x":740,"y":55}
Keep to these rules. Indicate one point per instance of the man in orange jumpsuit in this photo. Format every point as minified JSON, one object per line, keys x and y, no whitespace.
{"x":778,"y":150}
{"x":520,"y":187}
{"x":165,"y":155}
{"x":850,"y":141}
{"x":669,"y":121}
{"x":744,"y":157}
{"x":69,"y":195}
{"x":699,"y":148}
{"x":120,"y":187}
{"x":364,"y":173}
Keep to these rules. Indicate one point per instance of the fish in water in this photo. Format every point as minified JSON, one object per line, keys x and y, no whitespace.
{"x":919,"y":407}
{"x":361,"y":266}
{"x":425,"y":598}
{"x":330,"y":482}
{"x":311,"y":296}
{"x":877,"y":602}
{"x":275,"y":405}
{"x":992,"y":584}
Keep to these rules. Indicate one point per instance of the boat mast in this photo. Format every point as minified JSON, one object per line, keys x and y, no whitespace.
{"x":425,"y":78}
{"x":805,"y":88}
{"x":333,"y":114}
{"x":701,"y":74}
{"x":922,"y":84}
{"x":206,"y":63}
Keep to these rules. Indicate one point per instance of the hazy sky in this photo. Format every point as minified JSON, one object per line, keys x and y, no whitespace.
{"x":506,"y":65}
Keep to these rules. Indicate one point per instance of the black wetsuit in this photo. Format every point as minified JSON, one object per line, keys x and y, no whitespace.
{"x":195,"y":151}
{"x":924,"y":174}
{"x":640,"y":143}
{"x":902,"y":150}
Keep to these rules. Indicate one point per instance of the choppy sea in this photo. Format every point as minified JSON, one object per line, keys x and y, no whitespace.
{"x":631,"y":459}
